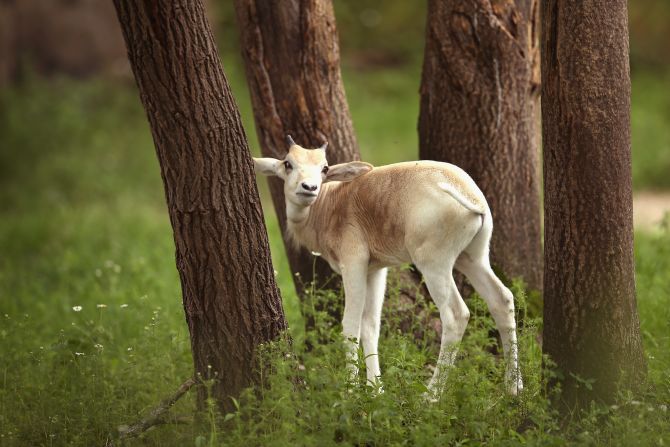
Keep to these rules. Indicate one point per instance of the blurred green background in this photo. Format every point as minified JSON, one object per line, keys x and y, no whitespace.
{"x":83,"y":220}
{"x":74,"y":135}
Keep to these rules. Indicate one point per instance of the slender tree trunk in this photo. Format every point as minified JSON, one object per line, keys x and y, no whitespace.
{"x":8,"y":44}
{"x":479,"y":99}
{"x":591,"y":327}
{"x":292,"y":60}
{"x":230,"y":297}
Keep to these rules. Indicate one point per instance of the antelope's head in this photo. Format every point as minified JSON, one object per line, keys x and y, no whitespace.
{"x":305,"y":170}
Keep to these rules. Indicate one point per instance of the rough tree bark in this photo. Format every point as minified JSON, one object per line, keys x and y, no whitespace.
{"x":479,"y":99}
{"x":591,"y":327}
{"x":230,"y":297}
{"x":292,"y":60}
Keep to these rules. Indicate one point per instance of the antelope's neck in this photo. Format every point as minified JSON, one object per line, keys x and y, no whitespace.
{"x":297,"y":215}
{"x":297,"y":219}
{"x":300,"y":223}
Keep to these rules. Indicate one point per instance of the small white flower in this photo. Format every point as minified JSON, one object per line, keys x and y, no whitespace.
{"x":123,"y":306}
{"x":130,"y":349}
{"x":301,"y":367}
{"x":276,"y":272}
{"x":79,"y":353}
{"x":76,"y":308}
{"x":316,"y":253}
{"x":663,"y":408}
{"x":100,"y":306}
{"x":98,"y":346}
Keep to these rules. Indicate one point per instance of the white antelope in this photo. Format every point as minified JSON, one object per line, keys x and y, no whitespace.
{"x":364,"y":219}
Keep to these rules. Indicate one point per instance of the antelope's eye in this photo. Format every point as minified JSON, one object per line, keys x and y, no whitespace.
{"x":325,"y":170}
{"x":288,"y":165}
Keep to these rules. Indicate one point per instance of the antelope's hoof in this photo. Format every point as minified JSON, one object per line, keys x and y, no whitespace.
{"x":514,"y":386}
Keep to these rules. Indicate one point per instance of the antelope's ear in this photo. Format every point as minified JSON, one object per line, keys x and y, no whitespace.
{"x":346,"y":172}
{"x":266,"y":166}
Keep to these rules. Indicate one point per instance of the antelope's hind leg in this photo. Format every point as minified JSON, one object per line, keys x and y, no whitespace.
{"x":454,"y":315}
{"x":500,"y":302}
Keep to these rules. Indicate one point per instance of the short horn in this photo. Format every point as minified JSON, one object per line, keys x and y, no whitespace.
{"x":290,"y":141}
{"x":324,"y":146}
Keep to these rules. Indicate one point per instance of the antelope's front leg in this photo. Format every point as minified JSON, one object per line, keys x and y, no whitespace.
{"x":372,"y":315}
{"x":354,"y":277}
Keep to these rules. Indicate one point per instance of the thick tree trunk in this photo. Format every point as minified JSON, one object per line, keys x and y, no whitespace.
{"x":479,"y":99}
{"x":292,"y":60}
{"x":591,"y":327}
{"x":230,"y":297}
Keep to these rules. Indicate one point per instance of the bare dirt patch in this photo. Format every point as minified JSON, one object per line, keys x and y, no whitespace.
{"x":649,"y":207}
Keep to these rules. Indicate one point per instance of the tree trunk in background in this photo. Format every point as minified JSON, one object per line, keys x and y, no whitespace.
{"x":60,"y":37}
{"x":230,"y":297}
{"x":292,"y":60}
{"x":591,"y":327}
{"x":479,"y":100}
{"x":8,"y":50}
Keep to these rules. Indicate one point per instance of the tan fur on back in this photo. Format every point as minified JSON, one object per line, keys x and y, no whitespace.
{"x":385,"y":211}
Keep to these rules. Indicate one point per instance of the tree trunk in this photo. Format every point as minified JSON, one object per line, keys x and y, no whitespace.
{"x":72,"y":38}
{"x":292,"y":61}
{"x":8,"y":44}
{"x":479,"y":99}
{"x":230,"y":297}
{"x":591,"y":327}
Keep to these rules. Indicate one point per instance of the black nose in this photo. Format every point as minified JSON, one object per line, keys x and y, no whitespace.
{"x":309,"y":187}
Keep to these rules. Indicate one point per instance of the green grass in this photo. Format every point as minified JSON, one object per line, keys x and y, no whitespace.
{"x":650,"y":118}
{"x":83,"y":223}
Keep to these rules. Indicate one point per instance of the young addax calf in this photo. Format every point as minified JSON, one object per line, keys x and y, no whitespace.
{"x":364,"y":219}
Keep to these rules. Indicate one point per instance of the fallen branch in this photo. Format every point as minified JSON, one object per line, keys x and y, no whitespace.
{"x":156,"y":416}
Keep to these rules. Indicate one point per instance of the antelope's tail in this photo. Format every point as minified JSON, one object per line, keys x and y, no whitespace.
{"x":460,"y":198}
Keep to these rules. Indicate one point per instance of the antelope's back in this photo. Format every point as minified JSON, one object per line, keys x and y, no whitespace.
{"x":401,"y":206}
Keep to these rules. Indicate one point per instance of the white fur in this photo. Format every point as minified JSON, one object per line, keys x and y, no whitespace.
{"x":440,"y":232}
